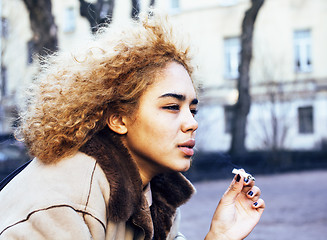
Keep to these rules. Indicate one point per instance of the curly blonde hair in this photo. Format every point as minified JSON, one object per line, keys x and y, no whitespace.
{"x":75,"y":93}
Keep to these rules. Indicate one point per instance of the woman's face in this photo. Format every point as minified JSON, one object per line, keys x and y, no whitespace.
{"x":160,"y":136}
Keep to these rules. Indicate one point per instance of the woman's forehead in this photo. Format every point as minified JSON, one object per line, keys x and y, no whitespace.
{"x":174,"y":75}
{"x":174,"y":83}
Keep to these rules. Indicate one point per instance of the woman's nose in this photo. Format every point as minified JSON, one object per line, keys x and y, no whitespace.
{"x":189,"y":123}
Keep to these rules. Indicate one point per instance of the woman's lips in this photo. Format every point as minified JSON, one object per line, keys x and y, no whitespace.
{"x":187,"y":151}
{"x":187,"y":147}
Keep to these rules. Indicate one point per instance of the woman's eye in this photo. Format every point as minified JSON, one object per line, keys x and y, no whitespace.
{"x":176,"y":108}
{"x":172,"y":107}
{"x":194,"y":111}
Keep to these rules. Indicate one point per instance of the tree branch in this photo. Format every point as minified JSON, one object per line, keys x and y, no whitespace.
{"x":43,"y":26}
{"x":97,"y":13}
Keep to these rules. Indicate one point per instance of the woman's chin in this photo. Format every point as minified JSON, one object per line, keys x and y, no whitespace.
{"x":185,"y":167}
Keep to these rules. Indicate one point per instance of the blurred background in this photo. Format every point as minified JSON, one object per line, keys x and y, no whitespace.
{"x":262,"y":85}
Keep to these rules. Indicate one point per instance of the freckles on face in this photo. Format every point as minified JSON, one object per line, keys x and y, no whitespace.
{"x":161,"y":135}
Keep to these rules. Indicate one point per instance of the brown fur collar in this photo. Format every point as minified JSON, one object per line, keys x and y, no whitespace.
{"x":127,"y":202}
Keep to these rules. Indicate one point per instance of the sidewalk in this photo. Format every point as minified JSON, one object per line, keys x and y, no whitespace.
{"x":296,"y":207}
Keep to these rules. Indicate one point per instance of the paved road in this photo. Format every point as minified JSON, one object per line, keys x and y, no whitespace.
{"x":296,"y":207}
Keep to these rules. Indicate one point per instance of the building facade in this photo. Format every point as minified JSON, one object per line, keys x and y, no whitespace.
{"x":288,"y":72}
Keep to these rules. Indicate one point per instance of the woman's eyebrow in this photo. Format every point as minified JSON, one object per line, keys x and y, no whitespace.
{"x":174,"y":95}
{"x":179,"y":97}
{"x":195,"y":101}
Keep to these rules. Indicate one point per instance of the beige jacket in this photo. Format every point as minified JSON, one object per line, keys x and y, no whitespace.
{"x":83,"y":197}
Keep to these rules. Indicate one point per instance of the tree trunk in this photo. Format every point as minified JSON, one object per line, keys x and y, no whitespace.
{"x":152,"y":3}
{"x":242,"y":106}
{"x":43,"y":26}
{"x":135,"y":9}
{"x":98,"y":13}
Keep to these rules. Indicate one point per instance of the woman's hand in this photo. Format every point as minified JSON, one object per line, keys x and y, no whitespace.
{"x":238,"y":211}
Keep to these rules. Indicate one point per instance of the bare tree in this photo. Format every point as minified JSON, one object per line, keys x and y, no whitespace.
{"x":98,"y":13}
{"x":273,"y":124}
{"x":135,"y":9}
{"x":101,"y":12}
{"x":43,"y":26}
{"x":152,"y":3}
{"x":242,"y":106}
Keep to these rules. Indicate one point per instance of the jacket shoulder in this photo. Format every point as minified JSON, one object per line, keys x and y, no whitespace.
{"x":76,"y":181}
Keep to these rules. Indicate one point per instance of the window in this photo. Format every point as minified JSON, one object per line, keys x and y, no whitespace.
{"x":226,"y":3}
{"x":305,"y":116}
{"x":174,"y":4}
{"x":302,"y":51}
{"x":70,"y":20}
{"x":3,"y":82}
{"x":229,"y":115}
{"x":4,"y":27}
{"x":232,"y":49}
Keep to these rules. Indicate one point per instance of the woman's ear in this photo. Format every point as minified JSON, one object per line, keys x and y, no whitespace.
{"x":117,"y":124}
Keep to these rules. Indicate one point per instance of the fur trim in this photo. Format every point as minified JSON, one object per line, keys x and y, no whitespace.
{"x":121,"y":172}
{"x":127,"y":202}
{"x":169,"y":191}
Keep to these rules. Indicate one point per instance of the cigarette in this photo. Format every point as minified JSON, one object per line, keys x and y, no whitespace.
{"x":243,"y":174}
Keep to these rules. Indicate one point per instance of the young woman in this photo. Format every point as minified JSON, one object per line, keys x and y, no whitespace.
{"x":111,"y":127}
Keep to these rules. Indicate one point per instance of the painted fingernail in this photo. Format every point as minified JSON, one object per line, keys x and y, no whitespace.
{"x":255,"y":204}
{"x":250,"y":193}
{"x":238,"y":178}
{"x":246,"y":180}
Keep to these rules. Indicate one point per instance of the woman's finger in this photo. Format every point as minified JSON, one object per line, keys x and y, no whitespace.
{"x":259,"y":205}
{"x":249,"y":180}
{"x":234,"y":189}
{"x":247,"y":186}
{"x":254,"y":193}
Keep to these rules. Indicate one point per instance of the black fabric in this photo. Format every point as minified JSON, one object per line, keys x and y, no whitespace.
{"x":5,"y":181}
